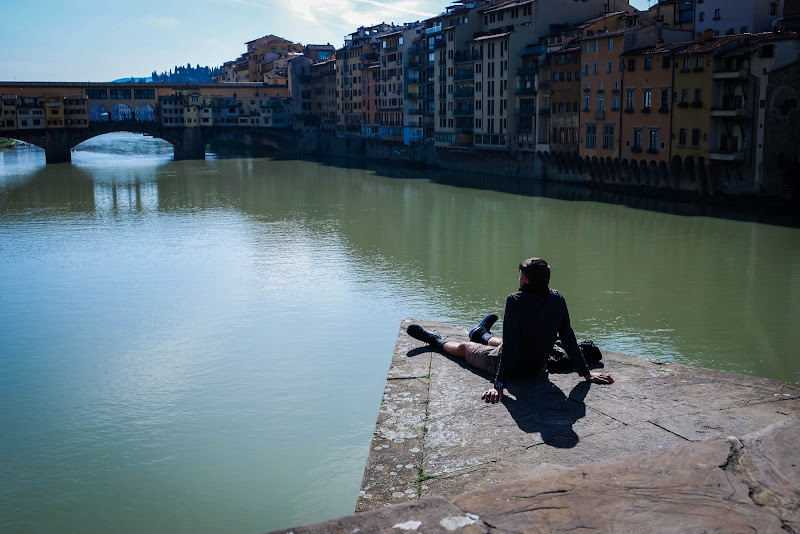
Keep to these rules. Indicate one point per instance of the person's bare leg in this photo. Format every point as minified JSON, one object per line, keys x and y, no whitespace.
{"x":455,"y":348}
{"x":495,"y":341}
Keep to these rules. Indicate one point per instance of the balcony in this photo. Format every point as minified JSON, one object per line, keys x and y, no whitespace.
{"x":466,"y":57}
{"x":464,"y":92}
{"x":527,"y":110}
{"x":527,"y":91}
{"x":731,"y":74}
{"x":532,"y":50}
{"x":544,"y":85}
{"x":464,"y":76}
{"x":464,"y":111}
{"x":433,"y":29}
{"x":523,"y":73}
{"x":697,"y":104}
{"x":730,"y":113}
{"x":725,"y":155}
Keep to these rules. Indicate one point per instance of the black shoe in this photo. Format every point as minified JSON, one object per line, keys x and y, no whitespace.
{"x":478,"y":334}
{"x":426,"y":336}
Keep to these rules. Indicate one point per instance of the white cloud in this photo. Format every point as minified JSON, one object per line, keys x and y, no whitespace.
{"x":162,"y":23}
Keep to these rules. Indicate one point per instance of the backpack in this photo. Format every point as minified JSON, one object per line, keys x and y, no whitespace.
{"x":558,"y":360}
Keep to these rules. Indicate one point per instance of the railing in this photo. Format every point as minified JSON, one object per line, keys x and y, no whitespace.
{"x":527,"y":72}
{"x":467,"y":57}
{"x":462,"y":76}
{"x":533,"y":50}
{"x":465,"y":92}
{"x":464,"y":111}
{"x":527,"y":91}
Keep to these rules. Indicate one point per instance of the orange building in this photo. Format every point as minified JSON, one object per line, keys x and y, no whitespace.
{"x":601,"y":85}
{"x":647,"y":103}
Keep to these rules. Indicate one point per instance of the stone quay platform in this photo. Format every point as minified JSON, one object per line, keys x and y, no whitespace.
{"x":666,"y":448}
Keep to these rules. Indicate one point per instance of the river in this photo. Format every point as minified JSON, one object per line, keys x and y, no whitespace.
{"x":201,"y":346}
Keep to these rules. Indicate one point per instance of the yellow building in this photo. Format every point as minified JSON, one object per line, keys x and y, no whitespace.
{"x":691,"y":89}
{"x":76,"y":111}
{"x":8,"y":112}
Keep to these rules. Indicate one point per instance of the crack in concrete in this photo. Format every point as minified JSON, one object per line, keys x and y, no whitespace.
{"x":422,"y":477}
{"x":667,"y":430}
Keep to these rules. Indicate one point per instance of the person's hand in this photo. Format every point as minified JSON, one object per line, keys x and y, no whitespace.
{"x":599,"y":378}
{"x":492,"y":395}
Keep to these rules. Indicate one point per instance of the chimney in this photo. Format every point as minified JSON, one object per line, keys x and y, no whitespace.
{"x":708,"y":34}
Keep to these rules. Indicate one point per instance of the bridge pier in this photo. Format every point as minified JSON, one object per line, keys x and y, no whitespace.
{"x":191,"y":146}
{"x":57,"y":145}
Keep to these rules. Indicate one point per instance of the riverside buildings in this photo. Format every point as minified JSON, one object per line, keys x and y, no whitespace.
{"x":592,"y":82}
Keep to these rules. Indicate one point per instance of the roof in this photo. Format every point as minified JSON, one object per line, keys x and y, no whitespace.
{"x":601,"y":17}
{"x":508,"y":5}
{"x":656,"y":49}
{"x":709,"y":45}
{"x":320,"y":47}
{"x":495,"y":36}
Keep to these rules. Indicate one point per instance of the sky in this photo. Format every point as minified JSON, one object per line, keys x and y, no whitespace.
{"x":103,"y":40}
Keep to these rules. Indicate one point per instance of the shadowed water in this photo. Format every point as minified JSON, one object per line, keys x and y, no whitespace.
{"x":202,"y":345}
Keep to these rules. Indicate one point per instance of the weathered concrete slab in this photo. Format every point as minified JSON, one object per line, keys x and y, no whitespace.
{"x":746,"y":484}
{"x":432,"y":417}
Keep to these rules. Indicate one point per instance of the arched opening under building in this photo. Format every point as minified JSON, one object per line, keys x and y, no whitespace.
{"x":144,"y":113}
{"x":98,"y":113}
{"x":121,"y":112}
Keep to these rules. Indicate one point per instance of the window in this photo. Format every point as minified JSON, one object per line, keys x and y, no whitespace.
{"x":637,"y":139}
{"x":716,"y":14}
{"x":702,"y":16}
{"x":695,"y":137}
{"x":664,"y":97}
{"x":647,"y":98}
{"x":611,"y":45}
{"x":96,"y":94}
{"x":608,"y":136}
{"x":609,"y":67}
{"x":615,"y":102}
{"x":586,"y":70}
{"x":773,"y":8}
{"x":631,"y":65}
{"x":586,"y":103}
{"x":699,"y":62}
{"x":685,"y":95}
{"x":744,"y":29}
{"x":698,"y":96}
{"x":595,"y":69}
{"x":652,"y":145}
{"x":687,"y":63}
{"x":629,"y":99}
{"x":600,"y":104}
{"x":597,"y":46}
{"x":682,"y":136}
{"x":648,"y":63}
{"x":591,"y":136}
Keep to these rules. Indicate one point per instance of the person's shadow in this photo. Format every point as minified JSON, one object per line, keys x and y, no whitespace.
{"x":538,"y":405}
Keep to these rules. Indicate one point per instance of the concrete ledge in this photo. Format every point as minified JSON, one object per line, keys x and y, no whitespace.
{"x":630,"y":457}
{"x":747,"y":484}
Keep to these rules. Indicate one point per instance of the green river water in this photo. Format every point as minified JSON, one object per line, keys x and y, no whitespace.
{"x":201,"y":346}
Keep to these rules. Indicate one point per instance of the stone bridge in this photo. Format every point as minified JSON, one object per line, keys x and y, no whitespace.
{"x":188,"y":142}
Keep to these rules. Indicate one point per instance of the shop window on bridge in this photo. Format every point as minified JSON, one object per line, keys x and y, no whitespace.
{"x":144,"y":93}
{"x":97,"y":94}
{"x":120,"y":94}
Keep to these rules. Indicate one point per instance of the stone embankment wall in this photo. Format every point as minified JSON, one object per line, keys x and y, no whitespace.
{"x":692,"y":176}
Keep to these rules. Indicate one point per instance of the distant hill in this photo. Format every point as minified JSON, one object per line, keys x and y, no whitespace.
{"x":187,"y":74}
{"x":135,"y":80}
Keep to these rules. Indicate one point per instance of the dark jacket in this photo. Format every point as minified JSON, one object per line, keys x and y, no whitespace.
{"x":530,"y":326}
